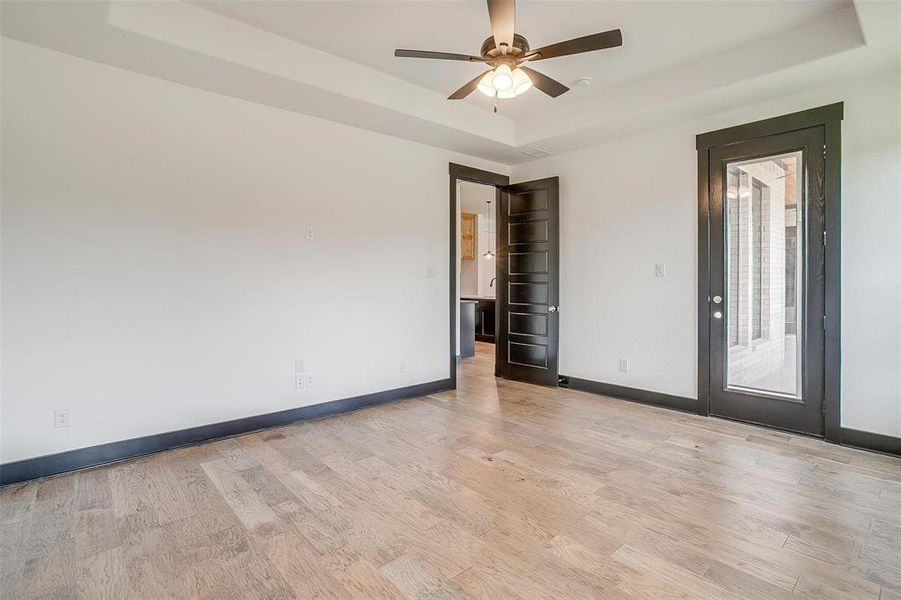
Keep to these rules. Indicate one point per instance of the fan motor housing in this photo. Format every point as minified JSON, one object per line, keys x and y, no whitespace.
{"x":520,"y":47}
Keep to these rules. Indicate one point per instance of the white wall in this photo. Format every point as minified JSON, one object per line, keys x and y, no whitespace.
{"x":631,"y":203}
{"x":155,"y":274}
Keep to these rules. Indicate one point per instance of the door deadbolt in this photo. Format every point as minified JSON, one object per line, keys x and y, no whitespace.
{"x":717,"y":299}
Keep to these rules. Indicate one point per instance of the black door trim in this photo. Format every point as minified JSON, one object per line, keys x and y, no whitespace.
{"x":829,"y":117}
{"x":464,"y":173}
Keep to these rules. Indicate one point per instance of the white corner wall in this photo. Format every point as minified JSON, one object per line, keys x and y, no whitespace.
{"x":155,"y":274}
{"x":631,"y":203}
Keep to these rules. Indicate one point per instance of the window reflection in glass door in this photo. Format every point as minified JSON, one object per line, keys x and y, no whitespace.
{"x":763,"y":260}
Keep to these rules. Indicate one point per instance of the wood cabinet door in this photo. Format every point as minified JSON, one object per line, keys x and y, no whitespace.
{"x":467,"y":236}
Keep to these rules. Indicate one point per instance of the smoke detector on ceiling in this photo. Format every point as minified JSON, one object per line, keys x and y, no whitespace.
{"x":535,"y":152}
{"x":583,"y":82}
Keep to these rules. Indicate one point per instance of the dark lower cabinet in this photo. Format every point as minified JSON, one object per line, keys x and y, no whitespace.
{"x":485,"y":323}
{"x":468,"y":314}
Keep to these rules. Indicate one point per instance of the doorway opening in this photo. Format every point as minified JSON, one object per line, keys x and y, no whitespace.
{"x":477,"y":267}
{"x":474,"y":200}
{"x":513,"y":262}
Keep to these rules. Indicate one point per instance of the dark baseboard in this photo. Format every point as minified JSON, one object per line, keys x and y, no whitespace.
{"x":71,"y":460}
{"x":632,"y":394}
{"x":866,"y":440}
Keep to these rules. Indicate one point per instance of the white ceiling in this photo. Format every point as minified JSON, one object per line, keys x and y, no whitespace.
{"x":681,"y":59}
{"x":658,"y":35}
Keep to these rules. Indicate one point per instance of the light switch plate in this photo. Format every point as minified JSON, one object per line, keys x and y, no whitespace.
{"x":310,"y":233}
{"x":660,"y":270}
{"x":60,"y":417}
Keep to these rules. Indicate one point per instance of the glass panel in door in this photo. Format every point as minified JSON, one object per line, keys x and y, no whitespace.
{"x":763,"y":275}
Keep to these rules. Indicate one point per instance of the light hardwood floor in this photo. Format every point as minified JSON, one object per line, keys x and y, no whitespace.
{"x":496,"y":490}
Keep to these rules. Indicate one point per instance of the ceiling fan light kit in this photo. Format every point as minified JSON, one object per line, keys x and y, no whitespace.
{"x":505,"y":53}
{"x":504,"y":83}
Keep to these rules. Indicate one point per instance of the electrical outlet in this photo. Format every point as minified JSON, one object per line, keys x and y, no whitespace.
{"x":300,"y":380}
{"x":660,"y":270}
{"x":310,"y":233}
{"x":402,"y":365}
{"x":624,"y":365}
{"x":310,"y":380}
{"x":61,"y":417}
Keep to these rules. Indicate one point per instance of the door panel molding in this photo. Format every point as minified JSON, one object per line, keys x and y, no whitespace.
{"x":829,"y":119}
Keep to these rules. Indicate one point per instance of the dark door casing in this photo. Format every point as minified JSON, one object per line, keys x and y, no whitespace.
{"x":528,"y":257}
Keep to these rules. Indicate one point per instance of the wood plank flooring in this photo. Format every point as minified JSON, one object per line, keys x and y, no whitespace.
{"x":495,"y":490}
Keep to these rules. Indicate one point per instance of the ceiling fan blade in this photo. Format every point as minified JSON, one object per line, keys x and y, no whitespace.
{"x":551,"y":87}
{"x":589,"y":43}
{"x":437,"y":55}
{"x":503,"y":21}
{"x":467,"y":89}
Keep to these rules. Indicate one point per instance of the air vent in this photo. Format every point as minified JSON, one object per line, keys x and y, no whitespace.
{"x":536,"y":152}
{"x":583,"y":82}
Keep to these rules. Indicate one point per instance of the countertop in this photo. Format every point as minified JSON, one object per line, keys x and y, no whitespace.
{"x":476,"y":298}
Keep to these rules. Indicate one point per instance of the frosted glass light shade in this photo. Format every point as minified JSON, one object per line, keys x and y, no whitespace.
{"x":503,"y":78}
{"x":521,"y":81}
{"x":485,"y":84}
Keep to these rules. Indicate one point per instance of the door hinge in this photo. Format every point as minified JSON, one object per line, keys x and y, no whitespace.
{"x":824,"y":237}
{"x":824,"y":322}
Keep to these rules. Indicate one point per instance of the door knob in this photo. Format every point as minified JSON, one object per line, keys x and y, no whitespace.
{"x":552,"y":308}
{"x":717,"y":315}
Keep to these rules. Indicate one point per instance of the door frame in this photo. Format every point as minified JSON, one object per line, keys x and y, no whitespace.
{"x":829,"y":117}
{"x":464,"y":173}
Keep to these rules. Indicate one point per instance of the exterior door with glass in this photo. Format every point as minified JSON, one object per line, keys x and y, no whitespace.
{"x":766,"y":304}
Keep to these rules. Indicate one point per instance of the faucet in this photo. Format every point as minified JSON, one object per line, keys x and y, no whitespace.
{"x":493,"y":279}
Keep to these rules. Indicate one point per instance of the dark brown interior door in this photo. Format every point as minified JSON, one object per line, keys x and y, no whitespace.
{"x":767,"y":275}
{"x":528,"y":257}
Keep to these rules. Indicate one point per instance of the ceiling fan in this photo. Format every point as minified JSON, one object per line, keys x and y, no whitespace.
{"x":506,"y":52}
